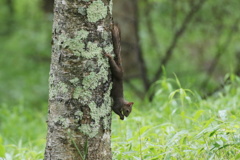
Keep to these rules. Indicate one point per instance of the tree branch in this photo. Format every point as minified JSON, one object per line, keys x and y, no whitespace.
{"x":176,"y":38}
{"x":221,"y":49}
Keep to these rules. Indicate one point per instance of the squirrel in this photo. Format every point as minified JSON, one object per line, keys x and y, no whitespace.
{"x":120,"y":106}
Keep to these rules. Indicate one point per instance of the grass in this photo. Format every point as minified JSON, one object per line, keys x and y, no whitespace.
{"x":173,"y":128}
{"x":175,"y":125}
{"x":23,"y":131}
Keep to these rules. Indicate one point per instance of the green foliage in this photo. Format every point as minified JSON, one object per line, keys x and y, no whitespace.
{"x":24,"y":62}
{"x":2,"y":149}
{"x":177,"y":124}
{"x":163,"y":129}
{"x":23,"y":130}
{"x":167,"y":128}
{"x":25,"y":53}
{"x":214,"y":29}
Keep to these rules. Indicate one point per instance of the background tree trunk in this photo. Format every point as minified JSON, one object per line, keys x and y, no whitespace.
{"x":48,"y":5}
{"x":123,"y":13}
{"x":79,"y":120}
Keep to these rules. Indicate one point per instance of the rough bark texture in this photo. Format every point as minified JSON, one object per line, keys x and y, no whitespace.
{"x":79,"y":120}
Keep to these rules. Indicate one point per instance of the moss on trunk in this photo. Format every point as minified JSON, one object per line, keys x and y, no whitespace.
{"x":79,"y":84}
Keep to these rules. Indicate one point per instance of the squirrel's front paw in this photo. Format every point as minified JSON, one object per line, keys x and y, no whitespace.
{"x":122,"y":117}
{"x":107,"y":55}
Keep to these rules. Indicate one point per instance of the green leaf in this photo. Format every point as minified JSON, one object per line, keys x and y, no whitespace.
{"x":198,"y":114}
{"x":172,"y":94}
{"x":213,"y":132}
{"x":2,"y":149}
{"x":178,"y":82}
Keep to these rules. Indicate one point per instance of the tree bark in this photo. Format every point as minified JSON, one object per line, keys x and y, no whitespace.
{"x":79,"y":118}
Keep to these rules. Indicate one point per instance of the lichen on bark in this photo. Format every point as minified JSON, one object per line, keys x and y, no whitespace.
{"x":79,"y":82}
{"x":96,"y":11}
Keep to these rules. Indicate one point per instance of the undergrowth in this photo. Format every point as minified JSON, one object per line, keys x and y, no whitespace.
{"x":23,"y":132}
{"x":177,"y":124}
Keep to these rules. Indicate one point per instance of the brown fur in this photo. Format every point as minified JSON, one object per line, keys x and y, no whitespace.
{"x":120,"y":106}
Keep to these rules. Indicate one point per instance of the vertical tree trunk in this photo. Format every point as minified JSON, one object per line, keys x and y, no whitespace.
{"x":126,"y":22}
{"x":79,"y":120}
{"x":47,"y":5}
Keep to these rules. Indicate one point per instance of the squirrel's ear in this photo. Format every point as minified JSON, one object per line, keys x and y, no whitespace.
{"x":130,"y":103}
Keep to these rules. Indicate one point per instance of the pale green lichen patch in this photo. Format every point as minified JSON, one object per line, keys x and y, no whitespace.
{"x":62,"y":121}
{"x":106,"y":121}
{"x":92,"y":51}
{"x":94,"y":79}
{"x":83,"y":95}
{"x":59,"y":88}
{"x":89,"y":129}
{"x":110,"y":6}
{"x":82,"y":34}
{"x":51,"y":88}
{"x":96,"y":11}
{"x":103,"y":64}
{"x":90,"y":65}
{"x":74,"y":81}
{"x":82,"y":11}
{"x":77,"y":92}
{"x":95,"y":66}
{"x":75,"y":44}
{"x":90,"y":81}
{"x":78,"y":115}
{"x":96,"y":112}
{"x":105,"y":35}
{"x":108,"y":49}
{"x":62,"y":87}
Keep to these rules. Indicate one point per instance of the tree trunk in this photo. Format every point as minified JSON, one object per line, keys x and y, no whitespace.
{"x":126,"y":21}
{"x":47,"y":5}
{"x":79,"y":119}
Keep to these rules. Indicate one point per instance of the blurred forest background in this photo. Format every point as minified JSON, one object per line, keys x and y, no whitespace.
{"x":181,"y":62}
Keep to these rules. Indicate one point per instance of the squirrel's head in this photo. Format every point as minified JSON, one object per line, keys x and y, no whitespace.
{"x":127,"y":108}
